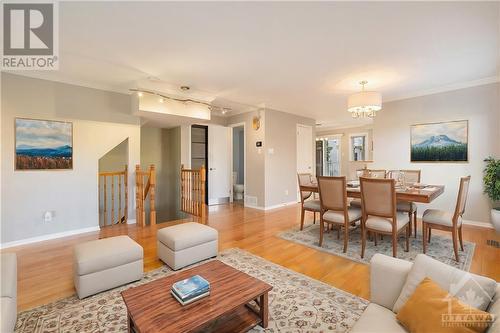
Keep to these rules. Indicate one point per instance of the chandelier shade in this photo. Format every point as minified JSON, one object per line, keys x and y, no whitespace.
{"x":364,"y":103}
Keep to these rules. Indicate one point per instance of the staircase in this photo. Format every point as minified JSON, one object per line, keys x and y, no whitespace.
{"x":193,"y":191}
{"x":113,"y":195}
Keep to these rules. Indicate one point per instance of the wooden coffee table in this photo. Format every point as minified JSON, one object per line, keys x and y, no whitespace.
{"x":151,"y":307}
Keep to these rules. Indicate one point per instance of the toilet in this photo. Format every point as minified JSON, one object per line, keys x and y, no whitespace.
{"x":238,"y":189}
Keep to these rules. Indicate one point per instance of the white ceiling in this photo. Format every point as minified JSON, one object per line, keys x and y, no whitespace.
{"x":303,"y":58}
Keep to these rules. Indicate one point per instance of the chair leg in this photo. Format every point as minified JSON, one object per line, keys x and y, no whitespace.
{"x":321,"y":231}
{"x":338,"y":233}
{"x":429,"y":236}
{"x":455,"y":243}
{"x":375,"y":239}
{"x":408,"y":231}
{"x":394,"y":245}
{"x":302,"y":219}
{"x":424,"y":237}
{"x":346,"y":238}
{"x":363,"y":241}
{"x":460,"y":238}
{"x":314,"y":218}
{"x":415,"y":222}
{"x":409,"y":217}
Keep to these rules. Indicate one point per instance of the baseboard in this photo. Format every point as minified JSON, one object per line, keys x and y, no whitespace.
{"x":478,"y":224}
{"x":254,"y":207}
{"x":48,"y":237}
{"x":281,"y":205}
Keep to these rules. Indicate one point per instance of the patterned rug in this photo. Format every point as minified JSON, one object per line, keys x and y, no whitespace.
{"x":440,"y":247}
{"x":296,"y":304}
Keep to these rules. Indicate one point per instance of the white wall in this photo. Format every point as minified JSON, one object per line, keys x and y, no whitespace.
{"x":71,"y":194}
{"x":479,"y":105}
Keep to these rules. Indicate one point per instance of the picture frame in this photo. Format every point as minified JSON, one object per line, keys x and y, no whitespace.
{"x":42,"y":144}
{"x":445,"y":141}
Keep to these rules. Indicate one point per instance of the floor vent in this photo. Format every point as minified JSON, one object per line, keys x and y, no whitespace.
{"x":494,"y":243}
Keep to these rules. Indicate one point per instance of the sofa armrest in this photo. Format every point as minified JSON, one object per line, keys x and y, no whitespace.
{"x":387,"y":277}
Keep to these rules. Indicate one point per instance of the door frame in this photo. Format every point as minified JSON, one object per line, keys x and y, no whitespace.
{"x":232,"y":126}
{"x":338,"y":137}
{"x":313,"y":153}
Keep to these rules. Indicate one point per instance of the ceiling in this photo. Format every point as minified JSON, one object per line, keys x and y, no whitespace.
{"x":302,"y":58}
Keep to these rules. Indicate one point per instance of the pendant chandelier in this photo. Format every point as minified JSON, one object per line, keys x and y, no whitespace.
{"x":364,"y":104}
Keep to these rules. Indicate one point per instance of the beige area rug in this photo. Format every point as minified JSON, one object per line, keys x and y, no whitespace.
{"x":440,"y":247}
{"x":297,"y":303}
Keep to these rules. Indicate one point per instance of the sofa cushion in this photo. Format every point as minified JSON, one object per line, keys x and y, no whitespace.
{"x":427,"y":308}
{"x":186,"y":235}
{"x":494,"y":309}
{"x":8,"y":278}
{"x":98,"y":255}
{"x":376,"y":319}
{"x":472,"y":289}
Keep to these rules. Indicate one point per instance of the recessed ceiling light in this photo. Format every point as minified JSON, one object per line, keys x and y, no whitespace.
{"x":161,"y":100}
{"x":140,"y":94}
{"x":185,"y":88}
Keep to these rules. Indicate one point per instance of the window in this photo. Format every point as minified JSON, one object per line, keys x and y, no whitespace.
{"x":357,"y":144}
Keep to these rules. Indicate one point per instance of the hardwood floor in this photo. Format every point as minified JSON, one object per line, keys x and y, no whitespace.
{"x":45,"y":271}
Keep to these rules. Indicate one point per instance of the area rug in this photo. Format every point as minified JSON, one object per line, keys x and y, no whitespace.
{"x":297,"y":303}
{"x":440,"y":247}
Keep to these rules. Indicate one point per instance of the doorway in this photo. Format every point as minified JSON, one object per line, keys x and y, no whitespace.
{"x":199,"y":150}
{"x":304,"y":151}
{"x":328,"y":150}
{"x":238,"y":164}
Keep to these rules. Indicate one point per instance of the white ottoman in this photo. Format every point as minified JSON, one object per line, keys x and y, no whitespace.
{"x":185,"y":244}
{"x":105,"y":264}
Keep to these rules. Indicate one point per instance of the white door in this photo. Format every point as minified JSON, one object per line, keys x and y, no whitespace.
{"x":304,"y":151}
{"x":218,"y":164}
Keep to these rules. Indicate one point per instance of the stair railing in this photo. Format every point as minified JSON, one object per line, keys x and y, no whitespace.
{"x":145,"y":184}
{"x":118,"y":194}
{"x":193,"y":191}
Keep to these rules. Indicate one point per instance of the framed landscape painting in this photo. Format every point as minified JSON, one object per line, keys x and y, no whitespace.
{"x":440,"y":142}
{"x":43,"y":144}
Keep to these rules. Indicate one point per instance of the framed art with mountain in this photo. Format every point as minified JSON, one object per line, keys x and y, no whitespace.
{"x":440,"y":142}
{"x":43,"y":144}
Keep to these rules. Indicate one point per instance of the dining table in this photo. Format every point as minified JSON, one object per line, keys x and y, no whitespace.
{"x":409,"y":193}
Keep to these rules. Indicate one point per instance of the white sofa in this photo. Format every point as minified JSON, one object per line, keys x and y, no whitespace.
{"x":390,"y":278}
{"x":8,"y":280}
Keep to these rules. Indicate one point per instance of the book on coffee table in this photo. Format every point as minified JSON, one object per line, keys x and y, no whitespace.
{"x":190,"y":289}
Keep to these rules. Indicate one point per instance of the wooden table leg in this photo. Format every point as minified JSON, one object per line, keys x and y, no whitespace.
{"x":264,"y":310}
{"x":129,"y":323}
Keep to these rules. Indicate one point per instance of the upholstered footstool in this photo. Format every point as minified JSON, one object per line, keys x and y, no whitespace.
{"x":105,"y":264}
{"x":185,"y":244}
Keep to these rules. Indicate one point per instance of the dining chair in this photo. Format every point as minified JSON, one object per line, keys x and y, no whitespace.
{"x":410,"y":176}
{"x":442,"y":220}
{"x":312,"y":205}
{"x":379,"y":214}
{"x":367,"y":173}
{"x":335,"y":209}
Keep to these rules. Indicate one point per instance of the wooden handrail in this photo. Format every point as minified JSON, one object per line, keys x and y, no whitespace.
{"x":193,"y":191}
{"x":122,"y":179}
{"x":143,"y":189}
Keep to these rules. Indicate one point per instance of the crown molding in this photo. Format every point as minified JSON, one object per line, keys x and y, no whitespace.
{"x":446,"y":88}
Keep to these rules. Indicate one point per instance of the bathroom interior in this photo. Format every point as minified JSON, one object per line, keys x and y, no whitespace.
{"x":238,"y":164}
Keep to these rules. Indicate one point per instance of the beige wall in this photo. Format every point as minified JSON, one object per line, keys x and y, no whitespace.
{"x":348,"y":167}
{"x":161,"y":147}
{"x":72,"y":195}
{"x":479,"y":105}
{"x":281,"y":165}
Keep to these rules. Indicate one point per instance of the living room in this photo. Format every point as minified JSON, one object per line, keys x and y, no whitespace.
{"x":329,"y":166}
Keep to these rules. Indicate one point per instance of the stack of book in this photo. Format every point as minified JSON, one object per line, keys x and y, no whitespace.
{"x":190,"y":290}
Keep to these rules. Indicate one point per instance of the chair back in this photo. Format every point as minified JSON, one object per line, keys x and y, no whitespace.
{"x":304,"y":179}
{"x":378,"y":197}
{"x":376,"y":173}
{"x":411,"y":176}
{"x":462,"y":197}
{"x":332,"y":193}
